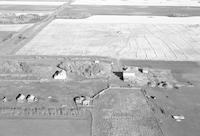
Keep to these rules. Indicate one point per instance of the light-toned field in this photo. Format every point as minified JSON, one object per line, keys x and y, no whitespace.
{"x":40,"y":13}
{"x":30,"y":3}
{"x":138,"y":2}
{"x":129,"y":38}
{"x":117,"y":19}
{"x":14,"y":27}
{"x":27,"y":8}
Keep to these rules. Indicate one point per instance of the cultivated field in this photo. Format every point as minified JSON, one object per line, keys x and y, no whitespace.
{"x":138,"y":2}
{"x":31,"y":3}
{"x":129,"y":38}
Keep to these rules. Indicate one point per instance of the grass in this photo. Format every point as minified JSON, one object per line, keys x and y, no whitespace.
{"x":27,"y":8}
{"x":4,"y":35}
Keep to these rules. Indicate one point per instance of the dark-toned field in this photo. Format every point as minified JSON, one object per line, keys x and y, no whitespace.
{"x":45,"y":127}
{"x":170,"y":11}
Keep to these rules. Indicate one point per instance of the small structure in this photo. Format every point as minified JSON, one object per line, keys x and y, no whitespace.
{"x":61,"y":75}
{"x":97,"y":61}
{"x":178,"y":118}
{"x":21,"y":98}
{"x":164,"y":84}
{"x":143,"y":70}
{"x":79,"y":100}
{"x":83,"y":100}
{"x":86,"y":102}
{"x":129,"y":75}
{"x":135,"y":74}
{"x":5,"y":99}
{"x":31,"y":98}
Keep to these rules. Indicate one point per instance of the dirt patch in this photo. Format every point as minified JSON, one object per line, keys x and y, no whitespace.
{"x":14,"y":67}
{"x":86,"y":69}
{"x":22,"y":70}
{"x":76,"y":70}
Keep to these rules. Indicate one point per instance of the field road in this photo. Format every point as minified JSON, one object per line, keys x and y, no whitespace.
{"x":14,"y":43}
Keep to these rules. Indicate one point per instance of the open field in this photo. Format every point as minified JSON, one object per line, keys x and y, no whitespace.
{"x":129,"y":38}
{"x":45,"y":127}
{"x":39,"y":13}
{"x":31,"y":3}
{"x":138,"y":2}
{"x":37,"y":0}
{"x":14,"y":27}
{"x":26,"y":8}
{"x":119,"y":112}
{"x":6,"y":31}
{"x":4,"y":35}
{"x":178,"y":11}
